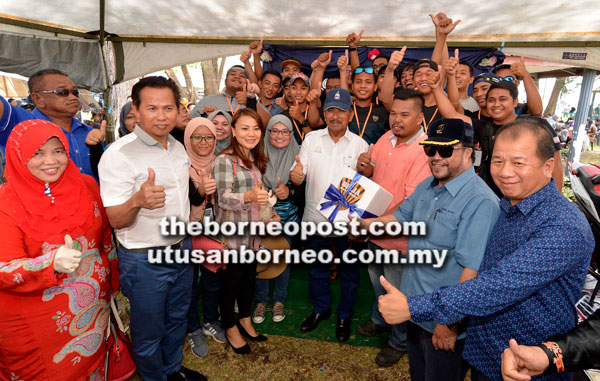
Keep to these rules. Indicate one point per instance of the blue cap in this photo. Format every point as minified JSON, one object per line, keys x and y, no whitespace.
{"x":338,"y":98}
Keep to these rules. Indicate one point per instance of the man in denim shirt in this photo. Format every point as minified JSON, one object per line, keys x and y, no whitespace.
{"x":460,"y":211}
{"x":533,"y":268}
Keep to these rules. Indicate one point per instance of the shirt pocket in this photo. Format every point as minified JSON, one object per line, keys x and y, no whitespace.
{"x":443,"y":229}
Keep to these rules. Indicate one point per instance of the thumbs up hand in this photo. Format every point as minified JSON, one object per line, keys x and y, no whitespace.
{"x":242,"y":96}
{"x":66,"y":259}
{"x":150,"y":195}
{"x":364,"y":160}
{"x":393,"y":306}
{"x":295,"y":112}
{"x":342,"y":61}
{"x":297,"y":174}
{"x":96,"y":136}
{"x":519,"y":69}
{"x":258,"y":194}
{"x":209,"y":184}
{"x":282,"y":191}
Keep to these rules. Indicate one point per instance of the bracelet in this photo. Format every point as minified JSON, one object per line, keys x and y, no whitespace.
{"x":352,"y":49}
{"x":555,"y":357}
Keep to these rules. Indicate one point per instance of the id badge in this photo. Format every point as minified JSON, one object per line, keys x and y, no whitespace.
{"x":478,"y":155}
{"x":209,"y":215}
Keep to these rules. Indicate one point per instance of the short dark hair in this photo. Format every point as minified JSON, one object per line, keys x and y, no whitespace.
{"x":536,"y":126}
{"x":382,"y":56}
{"x":272,"y":72}
{"x":506,"y":85}
{"x":382,"y":71}
{"x":406,"y":94}
{"x":155,"y":82}
{"x":36,"y":78}
{"x":405,"y":67}
{"x":463,"y":62}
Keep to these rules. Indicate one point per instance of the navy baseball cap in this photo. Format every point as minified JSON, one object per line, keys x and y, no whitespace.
{"x":338,"y":98}
{"x":445,"y":131}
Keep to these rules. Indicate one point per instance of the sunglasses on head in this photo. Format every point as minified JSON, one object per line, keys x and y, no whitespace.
{"x":509,"y":78}
{"x":359,"y":70}
{"x":444,"y":151}
{"x":60,"y":92}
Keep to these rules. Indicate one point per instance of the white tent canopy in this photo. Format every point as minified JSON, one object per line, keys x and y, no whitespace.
{"x":150,"y":35}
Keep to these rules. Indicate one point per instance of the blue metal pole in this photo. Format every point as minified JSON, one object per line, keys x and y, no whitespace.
{"x":587,"y":87}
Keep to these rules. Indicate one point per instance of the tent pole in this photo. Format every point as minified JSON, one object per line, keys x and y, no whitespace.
{"x":585,"y":95}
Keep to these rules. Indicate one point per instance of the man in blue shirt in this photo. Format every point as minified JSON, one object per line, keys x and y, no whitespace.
{"x":460,"y":211}
{"x":533,"y":268}
{"x":56,"y":100}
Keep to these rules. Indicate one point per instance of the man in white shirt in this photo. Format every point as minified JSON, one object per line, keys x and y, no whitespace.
{"x":323,"y":153}
{"x":143,"y":178}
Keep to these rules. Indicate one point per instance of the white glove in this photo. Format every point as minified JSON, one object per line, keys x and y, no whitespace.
{"x":66,"y":259}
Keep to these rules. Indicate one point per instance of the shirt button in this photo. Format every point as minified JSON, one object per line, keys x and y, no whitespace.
{"x":76,"y":151}
{"x":435,"y":199}
{"x":427,"y":216}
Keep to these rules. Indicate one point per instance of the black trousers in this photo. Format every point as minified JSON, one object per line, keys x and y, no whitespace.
{"x":238,"y":284}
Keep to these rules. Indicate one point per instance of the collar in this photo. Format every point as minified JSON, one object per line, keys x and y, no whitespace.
{"x":527,"y":205}
{"x":75,"y":123}
{"x":149,"y":140}
{"x":418,"y":134}
{"x":325,"y":132}
{"x":455,"y":185}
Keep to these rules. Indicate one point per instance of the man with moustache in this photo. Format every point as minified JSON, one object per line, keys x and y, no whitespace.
{"x":397,"y":163}
{"x":56,"y":100}
{"x":323,"y":153}
{"x":460,"y":212}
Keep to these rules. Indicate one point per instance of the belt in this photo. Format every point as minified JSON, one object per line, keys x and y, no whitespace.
{"x":174,"y":246}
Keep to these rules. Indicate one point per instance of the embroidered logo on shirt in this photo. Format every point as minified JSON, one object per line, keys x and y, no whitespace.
{"x":375,"y":118}
{"x":318,"y":149}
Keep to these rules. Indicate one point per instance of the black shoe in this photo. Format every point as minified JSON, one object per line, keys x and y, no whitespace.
{"x":342,"y":329}
{"x":313,"y":320}
{"x":243,"y":350}
{"x":185,"y":374}
{"x":370,"y":329}
{"x":258,"y":337}
{"x":388,"y":356}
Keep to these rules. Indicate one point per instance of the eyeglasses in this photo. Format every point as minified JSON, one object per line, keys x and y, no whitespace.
{"x":359,"y":70}
{"x":60,"y":92}
{"x":206,"y":138}
{"x":280,"y":132}
{"x":445,"y":151}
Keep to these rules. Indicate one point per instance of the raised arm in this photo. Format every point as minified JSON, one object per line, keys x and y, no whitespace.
{"x":534,"y":100}
{"x":342,"y":64}
{"x":353,"y":40}
{"x":386,"y":93}
{"x":245,"y":58}
{"x":443,"y":103}
{"x":256,"y":48}
{"x":450,"y":68}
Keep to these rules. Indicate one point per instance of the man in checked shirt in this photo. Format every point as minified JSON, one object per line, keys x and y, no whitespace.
{"x":533,"y":268}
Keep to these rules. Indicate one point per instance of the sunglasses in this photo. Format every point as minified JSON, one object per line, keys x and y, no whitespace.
{"x":207,"y":138}
{"x":60,"y":92}
{"x":510,"y":78}
{"x":444,"y":151}
{"x":359,"y":70}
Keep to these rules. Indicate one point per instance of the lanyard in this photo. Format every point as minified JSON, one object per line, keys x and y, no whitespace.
{"x":361,"y":133}
{"x":298,"y":128}
{"x":433,"y":116}
{"x":231,"y":107}
{"x":479,"y":114}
